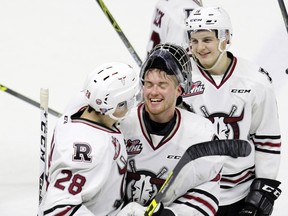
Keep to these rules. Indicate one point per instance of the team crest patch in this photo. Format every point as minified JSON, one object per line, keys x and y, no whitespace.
{"x":133,"y":146}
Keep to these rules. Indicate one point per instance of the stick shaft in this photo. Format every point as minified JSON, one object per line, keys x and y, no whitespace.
{"x":119,"y":32}
{"x":284,"y":13}
{"x":44,"y":97}
{"x":26,"y":99}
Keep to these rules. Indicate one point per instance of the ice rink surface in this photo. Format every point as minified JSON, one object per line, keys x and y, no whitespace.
{"x":56,"y":43}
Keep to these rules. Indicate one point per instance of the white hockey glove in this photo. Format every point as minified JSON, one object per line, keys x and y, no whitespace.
{"x":260,"y":199}
{"x":135,"y":209}
{"x":132,"y":209}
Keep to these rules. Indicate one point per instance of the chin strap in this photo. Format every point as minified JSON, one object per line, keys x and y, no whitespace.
{"x":218,"y":59}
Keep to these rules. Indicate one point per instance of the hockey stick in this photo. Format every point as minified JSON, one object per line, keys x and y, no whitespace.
{"x":233,"y":148}
{"x":120,"y":32}
{"x":198,"y":2}
{"x":284,"y":13}
{"x":44,"y":96}
{"x":26,"y":99}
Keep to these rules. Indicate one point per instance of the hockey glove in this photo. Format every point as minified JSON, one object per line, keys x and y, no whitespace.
{"x":163,"y":211}
{"x":260,"y":199}
{"x":132,"y":209}
{"x":135,"y":209}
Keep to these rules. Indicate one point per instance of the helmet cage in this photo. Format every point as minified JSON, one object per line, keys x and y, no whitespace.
{"x":172,"y":59}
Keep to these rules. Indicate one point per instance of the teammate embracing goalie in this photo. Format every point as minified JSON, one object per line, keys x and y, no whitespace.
{"x":88,"y":159}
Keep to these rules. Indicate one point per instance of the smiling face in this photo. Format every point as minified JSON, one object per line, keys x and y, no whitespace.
{"x":204,"y":46}
{"x":160,"y":93}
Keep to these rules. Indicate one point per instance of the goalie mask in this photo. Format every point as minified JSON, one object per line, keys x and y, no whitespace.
{"x":172,"y":59}
{"x":210,"y":18}
{"x":110,"y":86}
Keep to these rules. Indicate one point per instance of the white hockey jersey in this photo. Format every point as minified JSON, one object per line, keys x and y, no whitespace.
{"x":87,"y":170}
{"x":241,"y":105}
{"x":151,"y":158}
{"x":168,"y":23}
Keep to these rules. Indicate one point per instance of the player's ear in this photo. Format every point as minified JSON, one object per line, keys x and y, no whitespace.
{"x":180,"y":90}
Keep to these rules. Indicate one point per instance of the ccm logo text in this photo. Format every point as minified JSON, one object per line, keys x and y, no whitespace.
{"x":241,"y":90}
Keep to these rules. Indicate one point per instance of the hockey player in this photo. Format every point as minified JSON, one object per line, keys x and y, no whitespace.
{"x":168,"y":23}
{"x":238,"y":97}
{"x":157,"y":134}
{"x":88,"y":159}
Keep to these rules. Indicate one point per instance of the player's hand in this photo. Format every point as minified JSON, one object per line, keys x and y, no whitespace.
{"x":260,"y":199}
{"x":135,"y":209}
{"x":132,"y":209}
{"x":163,"y":211}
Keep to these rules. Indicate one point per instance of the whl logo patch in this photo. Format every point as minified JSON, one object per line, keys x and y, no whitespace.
{"x":196,"y":89}
{"x":133,"y":147}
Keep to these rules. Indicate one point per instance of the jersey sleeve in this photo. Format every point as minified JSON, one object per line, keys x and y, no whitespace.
{"x":155,"y":27}
{"x":199,"y":189}
{"x":196,"y":189}
{"x":265,"y":131}
{"x":168,"y":22}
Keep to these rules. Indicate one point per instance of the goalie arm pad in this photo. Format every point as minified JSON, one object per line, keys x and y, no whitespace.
{"x":260,"y":199}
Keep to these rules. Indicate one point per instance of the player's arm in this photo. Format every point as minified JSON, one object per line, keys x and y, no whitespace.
{"x":201,"y":200}
{"x":70,"y":180}
{"x":265,"y":130}
{"x":65,"y":193}
{"x":196,"y":190}
{"x":265,"y":135}
{"x":158,"y":25}
{"x":67,"y":210}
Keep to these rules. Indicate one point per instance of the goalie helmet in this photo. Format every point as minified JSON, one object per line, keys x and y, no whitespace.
{"x":110,"y":85}
{"x":172,"y":59}
{"x":210,"y":18}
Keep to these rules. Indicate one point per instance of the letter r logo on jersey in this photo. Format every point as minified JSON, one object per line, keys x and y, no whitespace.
{"x":82,"y":152}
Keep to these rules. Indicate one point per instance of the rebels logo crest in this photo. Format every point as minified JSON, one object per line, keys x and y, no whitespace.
{"x":143,"y":185}
{"x":226,"y":125}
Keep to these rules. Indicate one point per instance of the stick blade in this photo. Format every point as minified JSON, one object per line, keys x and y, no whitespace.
{"x":230,"y":147}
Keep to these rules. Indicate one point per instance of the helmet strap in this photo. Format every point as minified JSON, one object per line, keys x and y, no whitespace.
{"x":222,"y":51}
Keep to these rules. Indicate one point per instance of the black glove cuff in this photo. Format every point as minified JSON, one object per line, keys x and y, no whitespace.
{"x":248,"y":210}
{"x":167,"y":212}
